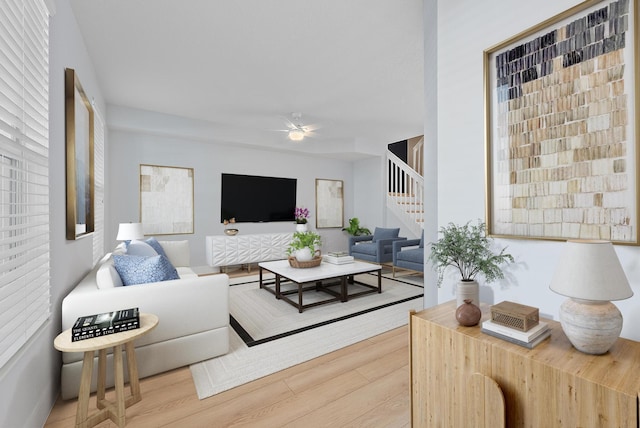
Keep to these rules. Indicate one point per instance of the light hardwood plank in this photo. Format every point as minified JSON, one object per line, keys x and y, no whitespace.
{"x":340,"y":413}
{"x":366,"y":384}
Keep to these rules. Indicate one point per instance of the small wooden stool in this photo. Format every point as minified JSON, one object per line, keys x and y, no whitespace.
{"x":107,"y":409}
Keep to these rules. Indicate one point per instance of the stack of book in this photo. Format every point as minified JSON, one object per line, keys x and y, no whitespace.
{"x":528,"y":339}
{"x":91,"y":326}
{"x":337,"y":257}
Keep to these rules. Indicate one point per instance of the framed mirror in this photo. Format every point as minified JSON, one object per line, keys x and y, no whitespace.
{"x":79,"y":157}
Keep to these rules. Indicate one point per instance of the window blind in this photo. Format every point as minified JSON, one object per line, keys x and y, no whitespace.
{"x":98,"y":177}
{"x":24,"y":172}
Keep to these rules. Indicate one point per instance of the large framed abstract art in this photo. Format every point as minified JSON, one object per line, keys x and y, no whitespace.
{"x":166,"y":200}
{"x":561,"y":102}
{"x":329,"y":203}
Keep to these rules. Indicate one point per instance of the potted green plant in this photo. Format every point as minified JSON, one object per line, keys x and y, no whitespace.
{"x":355,"y":229}
{"x":467,"y":249}
{"x":304,"y":245}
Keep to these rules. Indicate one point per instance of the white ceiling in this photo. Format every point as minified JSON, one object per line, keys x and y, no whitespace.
{"x":354,"y":68}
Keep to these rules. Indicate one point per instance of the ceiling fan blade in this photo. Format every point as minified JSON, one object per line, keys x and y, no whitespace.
{"x":288,"y":123}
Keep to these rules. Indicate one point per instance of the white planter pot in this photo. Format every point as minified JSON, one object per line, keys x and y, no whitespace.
{"x":304,"y":255}
{"x":467,"y":290}
{"x":301,"y":227}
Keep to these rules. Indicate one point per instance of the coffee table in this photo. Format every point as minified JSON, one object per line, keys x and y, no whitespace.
{"x":326,"y":271}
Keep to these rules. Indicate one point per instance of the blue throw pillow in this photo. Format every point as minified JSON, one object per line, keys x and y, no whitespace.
{"x":141,"y":270}
{"x":382,"y":233}
{"x":156,"y":246}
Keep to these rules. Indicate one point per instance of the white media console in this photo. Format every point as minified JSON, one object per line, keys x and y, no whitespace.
{"x":223,"y":250}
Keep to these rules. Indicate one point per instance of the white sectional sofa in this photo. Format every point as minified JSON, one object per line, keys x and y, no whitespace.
{"x":193,"y":316}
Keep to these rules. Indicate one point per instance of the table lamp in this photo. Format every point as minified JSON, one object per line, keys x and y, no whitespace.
{"x":130,"y":232}
{"x":590,"y":274}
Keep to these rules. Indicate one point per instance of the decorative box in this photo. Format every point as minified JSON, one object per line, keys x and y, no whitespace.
{"x":515,"y":315}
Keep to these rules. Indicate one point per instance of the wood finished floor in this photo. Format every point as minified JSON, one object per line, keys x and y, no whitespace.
{"x":363,"y":385}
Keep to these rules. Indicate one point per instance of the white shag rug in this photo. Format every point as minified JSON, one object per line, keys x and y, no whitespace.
{"x":315,"y":333}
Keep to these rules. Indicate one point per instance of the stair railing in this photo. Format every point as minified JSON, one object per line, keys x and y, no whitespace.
{"x":405,"y":194}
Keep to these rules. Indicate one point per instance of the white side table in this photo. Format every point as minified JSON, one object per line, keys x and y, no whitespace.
{"x":107,"y":409}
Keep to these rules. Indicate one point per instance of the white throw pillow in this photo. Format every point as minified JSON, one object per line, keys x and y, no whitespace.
{"x":120,"y":249}
{"x":177,"y":252}
{"x":140,"y":248}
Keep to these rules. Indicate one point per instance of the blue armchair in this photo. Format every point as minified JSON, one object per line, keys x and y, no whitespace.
{"x":409,"y":258}
{"x":375,"y":248}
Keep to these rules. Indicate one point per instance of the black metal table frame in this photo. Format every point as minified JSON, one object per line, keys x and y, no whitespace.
{"x":342,"y":296}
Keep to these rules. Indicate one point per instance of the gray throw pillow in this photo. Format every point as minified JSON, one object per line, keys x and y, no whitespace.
{"x":385,"y":233}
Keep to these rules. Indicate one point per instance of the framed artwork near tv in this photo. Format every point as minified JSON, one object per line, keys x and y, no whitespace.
{"x":79,"y":158}
{"x":329,"y":203}
{"x":166,"y":200}
{"x":561,"y":101}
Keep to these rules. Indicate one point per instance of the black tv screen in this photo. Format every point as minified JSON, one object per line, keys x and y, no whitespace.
{"x":250,"y":198}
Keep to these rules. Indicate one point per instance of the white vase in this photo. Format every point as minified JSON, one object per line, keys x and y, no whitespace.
{"x":301,"y":227}
{"x":304,"y":255}
{"x":467,"y":290}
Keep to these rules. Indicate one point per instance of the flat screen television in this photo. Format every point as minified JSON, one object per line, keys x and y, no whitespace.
{"x":251,"y":198}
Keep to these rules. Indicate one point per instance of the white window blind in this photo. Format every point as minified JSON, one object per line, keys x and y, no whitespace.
{"x":98,"y":177}
{"x":24,"y":172}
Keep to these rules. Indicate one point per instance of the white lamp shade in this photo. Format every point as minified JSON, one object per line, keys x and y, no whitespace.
{"x":130,"y":232}
{"x":590,"y":270}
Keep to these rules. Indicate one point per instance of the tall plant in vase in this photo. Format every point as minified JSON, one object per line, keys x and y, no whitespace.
{"x":467,"y":249}
{"x":301,"y":215}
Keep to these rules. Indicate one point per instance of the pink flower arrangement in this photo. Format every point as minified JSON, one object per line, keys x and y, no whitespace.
{"x":301,"y":214}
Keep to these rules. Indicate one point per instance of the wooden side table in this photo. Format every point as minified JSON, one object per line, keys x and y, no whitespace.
{"x":107,"y":409}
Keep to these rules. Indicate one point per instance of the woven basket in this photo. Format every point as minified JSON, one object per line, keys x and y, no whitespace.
{"x":311,"y":263}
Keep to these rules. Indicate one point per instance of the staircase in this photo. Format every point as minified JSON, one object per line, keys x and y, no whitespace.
{"x":405,"y":197}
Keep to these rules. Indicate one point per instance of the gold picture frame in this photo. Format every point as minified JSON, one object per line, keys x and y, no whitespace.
{"x":166,"y":200}
{"x":329,"y":203}
{"x":561,"y":101}
{"x":79,"y":158}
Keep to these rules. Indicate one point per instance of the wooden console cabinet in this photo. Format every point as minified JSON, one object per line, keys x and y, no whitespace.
{"x":551,"y":385}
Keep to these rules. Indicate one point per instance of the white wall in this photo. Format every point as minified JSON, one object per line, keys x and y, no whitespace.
{"x":129,"y":149}
{"x":368,"y":198}
{"x":29,"y":384}
{"x":465,"y":29}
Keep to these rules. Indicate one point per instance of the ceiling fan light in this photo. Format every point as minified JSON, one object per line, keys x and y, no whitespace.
{"x":296,"y":134}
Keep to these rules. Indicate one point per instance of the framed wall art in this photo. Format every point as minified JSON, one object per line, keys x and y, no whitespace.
{"x":166,"y":200}
{"x":79,"y":158}
{"x":561,"y":102}
{"x":329,"y":203}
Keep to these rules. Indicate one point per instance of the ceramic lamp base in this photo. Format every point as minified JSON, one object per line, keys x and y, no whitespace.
{"x":591,"y":326}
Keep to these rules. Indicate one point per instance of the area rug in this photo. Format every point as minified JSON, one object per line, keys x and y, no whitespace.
{"x":288,"y":338}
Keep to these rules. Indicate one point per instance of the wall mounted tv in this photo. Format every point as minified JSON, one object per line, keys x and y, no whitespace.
{"x":251,"y":198}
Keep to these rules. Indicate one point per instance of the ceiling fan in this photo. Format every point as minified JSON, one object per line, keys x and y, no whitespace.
{"x":296,"y":129}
